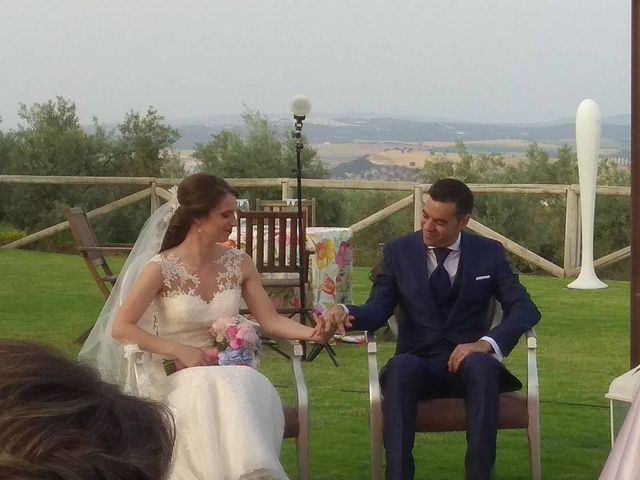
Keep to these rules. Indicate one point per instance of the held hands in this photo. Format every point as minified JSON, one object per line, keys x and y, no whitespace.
{"x":465,"y":349}
{"x":319,"y":335}
{"x":334,"y":320}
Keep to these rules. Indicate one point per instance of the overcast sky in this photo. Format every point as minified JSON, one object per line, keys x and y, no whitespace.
{"x":476,"y":60}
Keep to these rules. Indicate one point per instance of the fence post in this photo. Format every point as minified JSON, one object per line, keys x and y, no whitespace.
{"x":154,"y":196}
{"x":418,"y":204}
{"x":287,"y":189}
{"x":572,"y":231}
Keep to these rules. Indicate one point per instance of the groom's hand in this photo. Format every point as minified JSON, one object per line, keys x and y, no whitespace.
{"x":334,"y":319}
{"x":463,"y":350}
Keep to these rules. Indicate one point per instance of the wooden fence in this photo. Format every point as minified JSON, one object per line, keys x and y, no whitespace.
{"x":155,"y":189}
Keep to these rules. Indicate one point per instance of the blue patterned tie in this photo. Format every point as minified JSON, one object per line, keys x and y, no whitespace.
{"x":439,"y":279}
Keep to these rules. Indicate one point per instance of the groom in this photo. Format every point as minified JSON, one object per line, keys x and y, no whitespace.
{"x":442,"y":279}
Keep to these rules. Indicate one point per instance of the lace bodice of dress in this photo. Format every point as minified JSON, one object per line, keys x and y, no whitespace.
{"x":183,"y":311}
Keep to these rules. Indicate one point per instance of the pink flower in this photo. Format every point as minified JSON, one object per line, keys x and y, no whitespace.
{"x":247,"y":334}
{"x":219,"y":327}
{"x":232,"y":331}
{"x":236,"y":343}
{"x":344,"y":255}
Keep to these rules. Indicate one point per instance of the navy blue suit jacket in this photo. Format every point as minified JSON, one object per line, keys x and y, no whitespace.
{"x":485,"y":273}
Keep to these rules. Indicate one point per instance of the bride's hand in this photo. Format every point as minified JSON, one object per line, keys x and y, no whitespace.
{"x":191,"y":356}
{"x":320,"y":335}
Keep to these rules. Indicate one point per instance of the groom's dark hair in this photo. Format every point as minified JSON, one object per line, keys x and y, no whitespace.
{"x":450,"y":190}
{"x":198,"y":194}
{"x":59,"y":420}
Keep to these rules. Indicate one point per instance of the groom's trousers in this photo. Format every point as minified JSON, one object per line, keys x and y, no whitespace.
{"x":408,"y":378}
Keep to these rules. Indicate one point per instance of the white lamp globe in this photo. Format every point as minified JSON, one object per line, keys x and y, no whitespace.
{"x":300,"y":106}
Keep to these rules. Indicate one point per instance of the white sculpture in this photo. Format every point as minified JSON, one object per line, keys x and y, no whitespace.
{"x":588,"y":149}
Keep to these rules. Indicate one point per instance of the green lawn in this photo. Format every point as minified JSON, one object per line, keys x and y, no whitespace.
{"x":583,"y":343}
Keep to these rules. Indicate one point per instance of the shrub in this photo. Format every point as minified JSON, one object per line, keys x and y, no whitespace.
{"x":9,"y":236}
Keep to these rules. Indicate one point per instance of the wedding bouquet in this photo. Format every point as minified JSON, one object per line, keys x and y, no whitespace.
{"x":237,"y":342}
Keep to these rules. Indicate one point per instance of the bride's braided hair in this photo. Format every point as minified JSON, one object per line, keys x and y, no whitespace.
{"x":59,"y":421}
{"x":198,"y":194}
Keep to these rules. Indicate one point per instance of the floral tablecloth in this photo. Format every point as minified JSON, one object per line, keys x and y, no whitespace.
{"x":331,"y":266}
{"x":330,"y":269}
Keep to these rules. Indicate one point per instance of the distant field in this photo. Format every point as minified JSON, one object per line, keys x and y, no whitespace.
{"x":415,"y":155}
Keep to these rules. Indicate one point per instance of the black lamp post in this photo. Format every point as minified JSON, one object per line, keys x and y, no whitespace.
{"x":300,"y":107}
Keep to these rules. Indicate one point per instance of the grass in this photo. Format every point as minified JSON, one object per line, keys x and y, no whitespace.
{"x":583,"y":344}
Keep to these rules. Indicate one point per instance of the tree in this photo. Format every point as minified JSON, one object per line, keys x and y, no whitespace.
{"x":264,"y":152}
{"x":50,"y":141}
{"x":261,"y":153}
{"x":612,"y":222}
{"x":535,"y":223}
{"x":359,"y":204}
{"x":140,"y":146}
{"x":143,"y":146}
{"x":6,"y":152}
{"x":470,"y":169}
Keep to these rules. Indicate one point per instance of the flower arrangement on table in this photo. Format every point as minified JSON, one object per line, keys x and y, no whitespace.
{"x":235,"y":342}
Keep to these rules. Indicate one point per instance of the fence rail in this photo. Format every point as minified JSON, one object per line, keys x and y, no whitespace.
{"x":155,"y":189}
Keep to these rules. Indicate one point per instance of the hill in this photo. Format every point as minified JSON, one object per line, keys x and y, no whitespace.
{"x":364,"y":169}
{"x":615,"y":134}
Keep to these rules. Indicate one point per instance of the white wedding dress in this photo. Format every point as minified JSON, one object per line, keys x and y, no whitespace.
{"x":623,"y":462}
{"x":229,"y":420}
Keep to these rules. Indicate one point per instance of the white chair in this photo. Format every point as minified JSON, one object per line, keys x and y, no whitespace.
{"x":448,"y":414}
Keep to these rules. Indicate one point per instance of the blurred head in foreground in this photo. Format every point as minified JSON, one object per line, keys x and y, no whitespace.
{"x":59,"y":421}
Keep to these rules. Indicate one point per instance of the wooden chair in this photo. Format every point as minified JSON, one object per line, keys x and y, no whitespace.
{"x":296,"y":417}
{"x":271,"y":239}
{"x":93,"y":253}
{"x":308,"y":207}
{"x":448,"y":414}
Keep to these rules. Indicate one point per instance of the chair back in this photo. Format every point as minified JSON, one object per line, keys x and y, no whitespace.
{"x":87,"y":246}
{"x":83,"y":235}
{"x":271,"y":238}
{"x":494,"y":314}
{"x":92,"y":252}
{"x":290,"y":205}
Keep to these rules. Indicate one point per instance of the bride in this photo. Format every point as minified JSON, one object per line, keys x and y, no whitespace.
{"x":229,"y":420}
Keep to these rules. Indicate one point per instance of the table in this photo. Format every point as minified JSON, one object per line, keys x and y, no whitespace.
{"x":331,"y":266}
{"x":330,"y":269}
